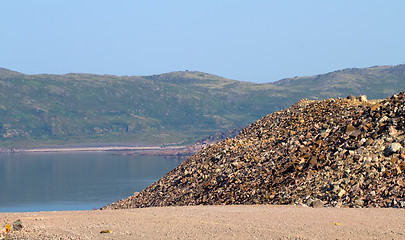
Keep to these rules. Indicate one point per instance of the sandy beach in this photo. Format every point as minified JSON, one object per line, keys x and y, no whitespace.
{"x":212,"y":222}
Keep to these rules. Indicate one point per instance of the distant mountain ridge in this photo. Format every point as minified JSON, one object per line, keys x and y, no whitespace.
{"x":48,"y":109}
{"x":376,"y":82}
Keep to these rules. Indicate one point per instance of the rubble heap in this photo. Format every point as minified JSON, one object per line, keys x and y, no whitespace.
{"x":335,"y":152}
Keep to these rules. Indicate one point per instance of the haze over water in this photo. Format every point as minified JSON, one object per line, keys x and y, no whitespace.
{"x":75,"y":181}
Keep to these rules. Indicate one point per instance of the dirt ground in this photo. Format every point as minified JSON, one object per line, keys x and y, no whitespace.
{"x":211,"y":222}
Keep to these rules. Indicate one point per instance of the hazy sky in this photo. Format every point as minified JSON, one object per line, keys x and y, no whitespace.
{"x":258,"y":41}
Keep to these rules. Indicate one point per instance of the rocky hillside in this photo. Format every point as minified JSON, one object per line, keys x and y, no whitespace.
{"x":335,"y":152}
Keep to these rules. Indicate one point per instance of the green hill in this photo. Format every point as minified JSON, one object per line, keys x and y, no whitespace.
{"x":185,"y":106}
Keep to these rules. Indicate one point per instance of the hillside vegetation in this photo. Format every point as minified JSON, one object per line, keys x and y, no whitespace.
{"x":175,"y":107}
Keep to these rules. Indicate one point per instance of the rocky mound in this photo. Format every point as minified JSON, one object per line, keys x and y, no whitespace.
{"x":335,"y":152}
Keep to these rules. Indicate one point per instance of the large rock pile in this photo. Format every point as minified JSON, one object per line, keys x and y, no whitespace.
{"x":336,"y":152}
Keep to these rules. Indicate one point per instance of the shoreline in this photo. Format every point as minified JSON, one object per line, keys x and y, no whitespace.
{"x":181,"y":151}
{"x":91,"y":149}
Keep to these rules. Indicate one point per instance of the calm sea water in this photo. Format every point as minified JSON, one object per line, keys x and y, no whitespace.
{"x":74,"y":181}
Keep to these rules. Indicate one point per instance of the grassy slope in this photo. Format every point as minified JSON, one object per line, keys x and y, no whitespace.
{"x":179,"y":106}
{"x":375,"y":82}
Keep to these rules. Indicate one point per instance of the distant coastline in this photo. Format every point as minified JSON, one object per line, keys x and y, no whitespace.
{"x":174,"y":150}
{"x":90,"y":149}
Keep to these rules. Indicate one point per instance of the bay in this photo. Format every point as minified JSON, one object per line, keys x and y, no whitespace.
{"x":76,"y":180}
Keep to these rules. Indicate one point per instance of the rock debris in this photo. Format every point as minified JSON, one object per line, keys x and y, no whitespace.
{"x":335,"y":153}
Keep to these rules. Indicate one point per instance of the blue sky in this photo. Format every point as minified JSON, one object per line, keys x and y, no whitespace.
{"x":257,"y":41}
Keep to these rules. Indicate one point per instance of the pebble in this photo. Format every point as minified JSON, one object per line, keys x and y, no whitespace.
{"x":394,"y":147}
{"x":317,"y":203}
{"x":17,"y":225}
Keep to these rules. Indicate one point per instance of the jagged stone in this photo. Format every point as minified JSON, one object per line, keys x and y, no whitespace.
{"x":338,"y":152}
{"x":17,"y":225}
{"x":351,"y":97}
{"x":393,"y":148}
{"x":317,"y":203}
{"x":363,"y":98}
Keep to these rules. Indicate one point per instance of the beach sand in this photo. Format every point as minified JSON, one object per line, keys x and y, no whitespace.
{"x":212,"y":222}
